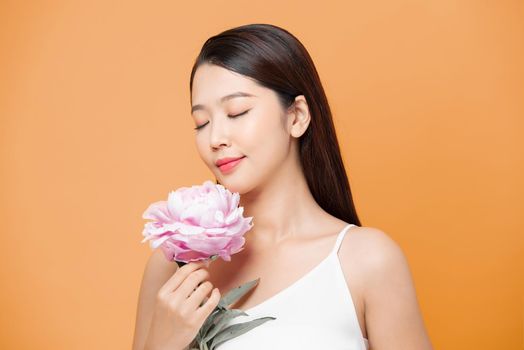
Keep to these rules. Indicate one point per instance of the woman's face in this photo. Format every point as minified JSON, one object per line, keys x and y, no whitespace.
{"x":255,"y":127}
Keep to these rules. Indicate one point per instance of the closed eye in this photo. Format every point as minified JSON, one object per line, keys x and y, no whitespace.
{"x":201,"y":126}
{"x":238,"y":115}
{"x":230,"y":116}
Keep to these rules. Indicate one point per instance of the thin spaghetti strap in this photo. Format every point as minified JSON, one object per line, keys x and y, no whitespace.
{"x":340,"y":238}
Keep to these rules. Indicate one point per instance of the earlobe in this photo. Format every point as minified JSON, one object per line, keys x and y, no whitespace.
{"x":300,"y":116}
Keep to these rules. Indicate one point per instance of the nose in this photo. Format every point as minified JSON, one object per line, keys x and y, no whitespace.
{"x":219,"y":135}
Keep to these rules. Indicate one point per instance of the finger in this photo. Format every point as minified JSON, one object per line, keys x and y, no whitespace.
{"x":209,"y":305}
{"x":191,"y":282}
{"x":196,"y":298}
{"x":179,"y":276}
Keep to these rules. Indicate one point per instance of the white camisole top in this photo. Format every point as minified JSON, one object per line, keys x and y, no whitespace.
{"x":315,"y":312}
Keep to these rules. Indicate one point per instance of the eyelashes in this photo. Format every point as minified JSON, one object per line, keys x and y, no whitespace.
{"x":201,"y":126}
{"x":238,"y":115}
{"x":230,"y":116}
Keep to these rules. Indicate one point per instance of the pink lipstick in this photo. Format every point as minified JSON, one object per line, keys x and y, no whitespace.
{"x":227,"y":167}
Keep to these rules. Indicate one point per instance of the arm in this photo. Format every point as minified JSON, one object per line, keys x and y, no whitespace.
{"x":157,"y":271}
{"x":393,"y":317}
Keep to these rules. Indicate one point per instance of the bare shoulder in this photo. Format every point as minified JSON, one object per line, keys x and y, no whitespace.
{"x":157,"y":271}
{"x":373,"y":248}
{"x":158,"y":263}
{"x":383,"y":278}
{"x":366,"y":254}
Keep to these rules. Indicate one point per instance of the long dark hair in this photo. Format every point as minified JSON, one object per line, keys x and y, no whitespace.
{"x":277,"y":60}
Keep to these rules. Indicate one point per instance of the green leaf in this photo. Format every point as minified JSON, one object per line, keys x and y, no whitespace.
{"x":237,"y":329}
{"x":210,"y":320}
{"x":209,"y":324}
{"x":222,"y":321}
{"x":236,"y":293}
{"x":193,"y":345}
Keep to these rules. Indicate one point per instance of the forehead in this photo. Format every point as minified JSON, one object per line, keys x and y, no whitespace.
{"x":210,"y":82}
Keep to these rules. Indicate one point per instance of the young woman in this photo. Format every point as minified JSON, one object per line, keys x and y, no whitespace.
{"x":264,"y":128}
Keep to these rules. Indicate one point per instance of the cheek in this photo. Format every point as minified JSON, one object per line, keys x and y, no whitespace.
{"x":202,"y":148}
{"x":257,"y":132}
{"x":249,"y":133}
{"x":264,"y":139}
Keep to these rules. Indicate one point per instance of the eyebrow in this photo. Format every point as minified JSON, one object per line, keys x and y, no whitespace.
{"x":224,"y":98}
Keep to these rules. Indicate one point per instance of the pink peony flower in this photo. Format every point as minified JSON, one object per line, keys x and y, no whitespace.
{"x":200,"y":223}
{"x":196,"y":223}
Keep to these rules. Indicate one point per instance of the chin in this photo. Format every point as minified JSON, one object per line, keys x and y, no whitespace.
{"x":232,"y":186}
{"x":235,"y":185}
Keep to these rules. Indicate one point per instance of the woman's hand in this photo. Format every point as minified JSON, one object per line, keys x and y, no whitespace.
{"x":178,"y":314}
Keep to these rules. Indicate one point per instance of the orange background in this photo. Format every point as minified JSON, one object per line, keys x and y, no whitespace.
{"x":95,"y":125}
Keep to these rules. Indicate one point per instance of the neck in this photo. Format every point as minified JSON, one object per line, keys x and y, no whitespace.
{"x":282,"y":210}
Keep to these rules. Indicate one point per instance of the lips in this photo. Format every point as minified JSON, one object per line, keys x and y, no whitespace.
{"x":223,"y":161}
{"x":230,"y":166}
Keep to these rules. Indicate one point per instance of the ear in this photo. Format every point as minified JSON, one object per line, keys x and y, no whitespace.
{"x":298,"y":117}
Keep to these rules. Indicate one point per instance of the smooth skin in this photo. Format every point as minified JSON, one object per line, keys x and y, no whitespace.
{"x":181,"y":306}
{"x":288,"y":223}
